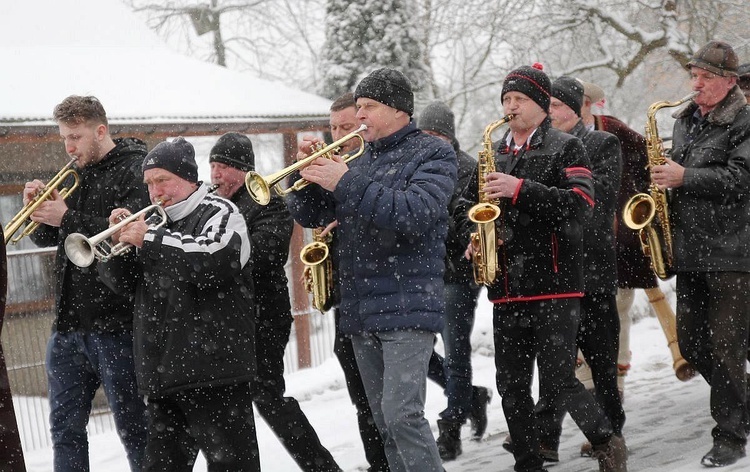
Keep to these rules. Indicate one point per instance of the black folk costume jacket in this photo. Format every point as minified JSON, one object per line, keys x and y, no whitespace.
{"x":542,"y":224}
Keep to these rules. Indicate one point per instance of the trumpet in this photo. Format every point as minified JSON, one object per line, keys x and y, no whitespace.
{"x":22,"y":219}
{"x":82,"y":250}
{"x":260,"y":187}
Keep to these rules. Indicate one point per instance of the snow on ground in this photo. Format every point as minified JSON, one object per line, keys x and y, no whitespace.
{"x":668,"y":425}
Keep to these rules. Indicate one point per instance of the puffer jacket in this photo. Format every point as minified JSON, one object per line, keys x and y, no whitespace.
{"x":193,"y":312}
{"x":542,"y":225}
{"x":392,"y":209}
{"x":710,"y":212}
{"x":83,"y":302}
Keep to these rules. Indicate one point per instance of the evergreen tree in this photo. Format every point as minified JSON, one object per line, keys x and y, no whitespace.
{"x":362,"y":35}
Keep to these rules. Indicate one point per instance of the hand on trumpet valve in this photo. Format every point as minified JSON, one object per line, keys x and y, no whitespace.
{"x":31,"y":190}
{"x":132,"y":233}
{"x":325,"y":172}
{"x":51,"y":211}
{"x":308,"y":145}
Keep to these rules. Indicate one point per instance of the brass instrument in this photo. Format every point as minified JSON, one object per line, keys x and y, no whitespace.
{"x":260,"y":187}
{"x":82,"y":250}
{"x":22,"y":219}
{"x":483,"y":214}
{"x":318,"y":273}
{"x":641,"y":209}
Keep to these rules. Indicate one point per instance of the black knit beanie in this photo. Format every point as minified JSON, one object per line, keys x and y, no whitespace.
{"x":438,"y":117}
{"x":177,"y":157}
{"x":235,"y":150}
{"x":389,"y":87}
{"x":569,"y":91}
{"x":530,"y":81}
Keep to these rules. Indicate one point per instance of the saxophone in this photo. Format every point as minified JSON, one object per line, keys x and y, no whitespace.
{"x":483,"y":214}
{"x":641,"y":209}
{"x":318,"y":273}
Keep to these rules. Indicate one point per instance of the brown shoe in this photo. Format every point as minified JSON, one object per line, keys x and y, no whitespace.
{"x":612,"y":456}
{"x":587,"y":449}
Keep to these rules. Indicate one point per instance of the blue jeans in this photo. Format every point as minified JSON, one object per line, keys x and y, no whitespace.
{"x":460,"y":302}
{"x":393,"y":365}
{"x":77,"y":363}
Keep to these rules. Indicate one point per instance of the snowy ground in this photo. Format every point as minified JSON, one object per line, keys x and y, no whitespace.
{"x":668,"y":424}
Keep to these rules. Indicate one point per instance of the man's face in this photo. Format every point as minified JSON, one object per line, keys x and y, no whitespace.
{"x":229,"y":179}
{"x":527,"y":114}
{"x":343,"y":122}
{"x":563,"y":117}
{"x":165,"y":188}
{"x":381,"y":120}
{"x":83,"y":140}
{"x":713,"y":88}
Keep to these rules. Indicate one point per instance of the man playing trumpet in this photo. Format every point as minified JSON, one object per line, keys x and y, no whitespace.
{"x":91,"y":341}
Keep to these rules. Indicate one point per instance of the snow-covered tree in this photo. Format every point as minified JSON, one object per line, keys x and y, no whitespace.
{"x":363,"y":35}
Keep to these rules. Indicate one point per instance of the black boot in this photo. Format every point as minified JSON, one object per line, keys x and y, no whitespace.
{"x":481,"y":397}
{"x":449,"y":441}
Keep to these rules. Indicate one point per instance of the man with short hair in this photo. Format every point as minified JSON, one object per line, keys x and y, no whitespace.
{"x":270,"y":231}
{"x":193,"y":332}
{"x":708,"y":177}
{"x":92,"y":336}
{"x":391,"y":205}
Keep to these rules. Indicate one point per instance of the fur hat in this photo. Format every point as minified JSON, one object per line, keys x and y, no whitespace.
{"x":389,"y":87}
{"x":717,"y":57}
{"x":438,"y":117}
{"x":530,"y":81}
{"x":177,"y":157}
{"x":569,"y":91}
{"x":235,"y":150}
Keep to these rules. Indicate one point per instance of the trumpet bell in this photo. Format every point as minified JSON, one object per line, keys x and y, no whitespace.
{"x":258,"y":188}
{"x":79,"y":250}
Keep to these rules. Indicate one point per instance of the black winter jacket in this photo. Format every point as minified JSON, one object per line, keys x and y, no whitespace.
{"x":457,"y":268}
{"x":710,"y":212}
{"x":193,"y":324}
{"x":270,"y":230}
{"x":542,"y":225}
{"x":83,"y":302}
{"x":599,"y":252}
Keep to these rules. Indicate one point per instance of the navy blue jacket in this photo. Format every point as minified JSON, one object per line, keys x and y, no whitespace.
{"x":392,"y":209}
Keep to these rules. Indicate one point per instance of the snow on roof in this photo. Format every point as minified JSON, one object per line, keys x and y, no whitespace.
{"x":54,"y":48}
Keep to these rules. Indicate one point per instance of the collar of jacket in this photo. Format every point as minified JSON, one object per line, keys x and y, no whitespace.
{"x":182,"y":209}
{"x":123,"y":147}
{"x":536,"y":140}
{"x":384,"y":144}
{"x":725,"y":111}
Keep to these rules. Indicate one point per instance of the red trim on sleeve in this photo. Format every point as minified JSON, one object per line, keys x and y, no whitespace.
{"x":518,"y":190}
{"x":534,"y":298}
{"x":585,"y":196}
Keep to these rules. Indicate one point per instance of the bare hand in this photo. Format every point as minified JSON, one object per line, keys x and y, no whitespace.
{"x":669,"y":175}
{"x":325,"y":172}
{"x":31,"y":190}
{"x":329,"y":228}
{"x":134,"y":232}
{"x":117,"y":215}
{"x":51,"y":211}
{"x":307,"y":146}
{"x":500,"y":185}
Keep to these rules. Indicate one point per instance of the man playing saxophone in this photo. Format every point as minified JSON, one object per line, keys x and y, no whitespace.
{"x":708,"y":178}
{"x":544,"y":180}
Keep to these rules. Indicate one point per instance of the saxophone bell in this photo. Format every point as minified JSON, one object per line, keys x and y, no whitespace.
{"x":318,"y":274}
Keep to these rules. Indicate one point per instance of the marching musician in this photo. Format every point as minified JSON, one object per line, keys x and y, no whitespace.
{"x":545,"y":184}
{"x":391,"y":205}
{"x":193,"y":332}
{"x":599,"y":325}
{"x":92,"y":335}
{"x":709,"y":181}
{"x":270,"y":231}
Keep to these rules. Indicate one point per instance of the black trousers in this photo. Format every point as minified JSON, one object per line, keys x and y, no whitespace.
{"x":283,"y":414}
{"x":368,"y":431}
{"x":545,"y":332}
{"x":597,"y":338}
{"x":216,"y":420}
{"x":713,"y":322}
